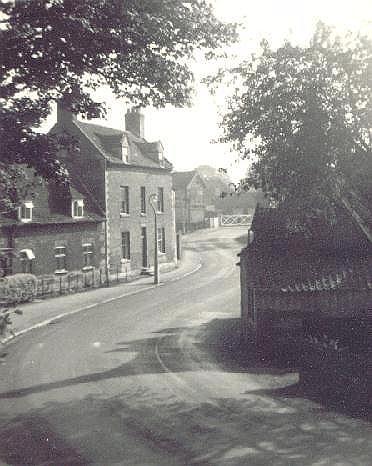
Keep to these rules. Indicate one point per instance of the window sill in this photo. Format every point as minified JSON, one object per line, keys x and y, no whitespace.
{"x":25,"y":220}
{"x":160,"y":211}
{"x":75,"y":217}
{"x":124,"y":261}
{"x":87,"y":268}
{"x":143,"y":214}
{"x":122,"y":214}
{"x":60,"y":272}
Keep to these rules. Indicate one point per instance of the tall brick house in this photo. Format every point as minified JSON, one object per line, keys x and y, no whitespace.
{"x":55,"y":230}
{"x":120,"y":170}
{"x":190,"y":191}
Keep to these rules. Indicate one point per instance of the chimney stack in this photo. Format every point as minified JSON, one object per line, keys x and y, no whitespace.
{"x":135,"y":122}
{"x":64,"y":115}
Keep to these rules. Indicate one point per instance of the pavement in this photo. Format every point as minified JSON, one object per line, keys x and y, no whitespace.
{"x":40,"y":313}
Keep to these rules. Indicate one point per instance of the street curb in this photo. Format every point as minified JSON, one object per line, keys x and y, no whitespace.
{"x":46,"y":322}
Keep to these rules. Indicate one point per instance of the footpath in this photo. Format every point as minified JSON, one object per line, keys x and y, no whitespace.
{"x":40,"y":313}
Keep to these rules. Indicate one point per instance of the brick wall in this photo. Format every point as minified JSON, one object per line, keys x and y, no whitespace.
{"x":134,"y":179}
{"x":43,"y":239}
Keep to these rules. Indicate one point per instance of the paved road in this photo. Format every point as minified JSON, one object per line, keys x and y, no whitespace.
{"x":159,"y":378}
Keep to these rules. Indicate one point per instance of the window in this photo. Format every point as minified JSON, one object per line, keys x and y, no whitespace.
{"x":60,"y":256}
{"x":124,"y":196}
{"x":125,"y":245}
{"x":125,"y":150}
{"x":161,"y":240}
{"x":78,"y":208}
{"x":88,"y":255}
{"x":26,"y":256}
{"x":160,"y":198}
{"x":25,"y":211}
{"x":143,"y":200}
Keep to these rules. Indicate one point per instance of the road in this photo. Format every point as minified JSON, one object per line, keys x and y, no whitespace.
{"x":160,"y":379}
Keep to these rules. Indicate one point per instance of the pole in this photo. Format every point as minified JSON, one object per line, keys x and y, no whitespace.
{"x":153,"y":199}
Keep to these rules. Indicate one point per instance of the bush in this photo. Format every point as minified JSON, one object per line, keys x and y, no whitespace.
{"x":18,"y":288}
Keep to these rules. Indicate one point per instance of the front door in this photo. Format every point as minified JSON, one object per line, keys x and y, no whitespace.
{"x":144,"y":247}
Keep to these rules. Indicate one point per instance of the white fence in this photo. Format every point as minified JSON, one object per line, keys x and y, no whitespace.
{"x":235,"y":220}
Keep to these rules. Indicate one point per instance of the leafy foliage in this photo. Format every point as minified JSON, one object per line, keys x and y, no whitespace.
{"x":55,"y":49}
{"x":303,"y":116}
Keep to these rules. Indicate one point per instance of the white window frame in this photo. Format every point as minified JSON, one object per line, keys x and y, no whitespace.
{"x":80,"y":205}
{"x":59,"y":253}
{"x":26,"y":208}
{"x":161,"y":240}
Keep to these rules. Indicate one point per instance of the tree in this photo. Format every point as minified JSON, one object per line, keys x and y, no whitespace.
{"x":303,"y":116}
{"x":63,"y":49}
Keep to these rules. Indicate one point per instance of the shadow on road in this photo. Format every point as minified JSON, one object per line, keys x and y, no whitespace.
{"x":260,"y":427}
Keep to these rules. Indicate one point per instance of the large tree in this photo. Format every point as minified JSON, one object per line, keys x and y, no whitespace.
{"x":303,"y":116}
{"x":53,"y":49}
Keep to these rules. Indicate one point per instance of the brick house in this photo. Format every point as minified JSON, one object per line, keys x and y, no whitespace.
{"x":55,"y":230}
{"x":190,"y":190}
{"x":120,"y":170}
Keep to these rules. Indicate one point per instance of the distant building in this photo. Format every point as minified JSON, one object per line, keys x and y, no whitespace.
{"x":120,"y":170}
{"x":189,"y":189}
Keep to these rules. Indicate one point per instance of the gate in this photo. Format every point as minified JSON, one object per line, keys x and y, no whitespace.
{"x":235,"y":220}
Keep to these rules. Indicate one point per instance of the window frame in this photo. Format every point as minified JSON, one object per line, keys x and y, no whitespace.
{"x":124,"y":201}
{"x":88,"y":254}
{"x":143,"y":200}
{"x":160,"y":200}
{"x":125,"y":246}
{"x":60,"y":253}
{"x":161,"y":240}
{"x":79,"y":204}
{"x":26,"y":207}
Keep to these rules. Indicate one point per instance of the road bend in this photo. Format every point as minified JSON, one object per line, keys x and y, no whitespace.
{"x":161,"y":378}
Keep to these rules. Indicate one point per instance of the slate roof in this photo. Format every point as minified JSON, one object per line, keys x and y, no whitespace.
{"x":105,"y":139}
{"x":47,"y":212}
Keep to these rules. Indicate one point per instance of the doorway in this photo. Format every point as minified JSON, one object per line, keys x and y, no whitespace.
{"x":144,"y":247}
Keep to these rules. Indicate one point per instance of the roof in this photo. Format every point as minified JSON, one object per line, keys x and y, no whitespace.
{"x":182,"y":179}
{"x":109,"y":140}
{"x":52,"y":205}
{"x":275,"y":226}
{"x":317,"y":258}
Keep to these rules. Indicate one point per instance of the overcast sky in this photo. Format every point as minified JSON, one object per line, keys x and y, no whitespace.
{"x":187,"y":133}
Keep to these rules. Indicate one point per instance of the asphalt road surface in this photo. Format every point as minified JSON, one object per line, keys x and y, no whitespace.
{"x":160,"y":378}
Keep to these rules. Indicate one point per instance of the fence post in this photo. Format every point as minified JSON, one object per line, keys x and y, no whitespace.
{"x":100,"y":277}
{"x":107,"y":277}
{"x":60,"y":284}
{"x":117,"y":274}
{"x":69,"y":283}
{"x":93,"y":278}
{"x":42,"y":287}
{"x":85,"y":280}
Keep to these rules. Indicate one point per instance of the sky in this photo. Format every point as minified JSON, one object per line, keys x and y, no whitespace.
{"x":187,"y":134}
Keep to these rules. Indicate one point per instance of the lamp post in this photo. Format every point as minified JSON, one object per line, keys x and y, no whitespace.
{"x":153,"y":199}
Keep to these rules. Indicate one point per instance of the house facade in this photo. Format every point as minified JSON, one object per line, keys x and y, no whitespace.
{"x":189,"y":190}
{"x":130,"y":180}
{"x":55,"y":230}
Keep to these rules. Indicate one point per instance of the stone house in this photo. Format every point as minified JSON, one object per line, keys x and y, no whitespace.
{"x":189,"y":189}
{"x":55,"y":230}
{"x":121,"y":170}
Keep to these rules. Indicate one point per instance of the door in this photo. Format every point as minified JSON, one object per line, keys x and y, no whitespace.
{"x":144,"y":247}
